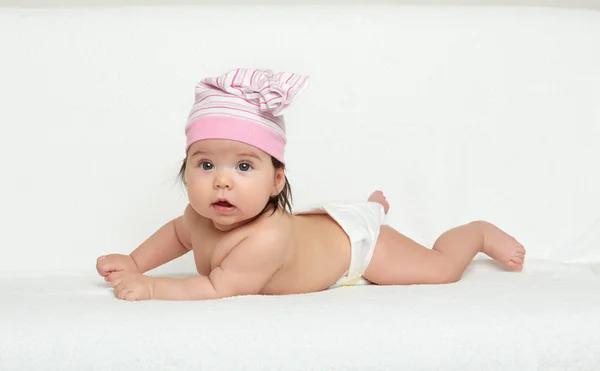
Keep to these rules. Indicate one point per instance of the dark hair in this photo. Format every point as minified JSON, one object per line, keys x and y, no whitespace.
{"x":283,"y":200}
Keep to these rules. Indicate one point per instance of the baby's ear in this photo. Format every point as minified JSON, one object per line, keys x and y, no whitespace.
{"x":279,"y":181}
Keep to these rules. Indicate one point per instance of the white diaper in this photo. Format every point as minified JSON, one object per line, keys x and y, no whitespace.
{"x":361,"y":221}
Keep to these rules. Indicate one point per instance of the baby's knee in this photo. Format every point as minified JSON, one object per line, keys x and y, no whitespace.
{"x":478,"y":224}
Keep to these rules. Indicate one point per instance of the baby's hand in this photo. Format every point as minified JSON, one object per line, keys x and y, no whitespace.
{"x":132,"y":286}
{"x":109,"y":264}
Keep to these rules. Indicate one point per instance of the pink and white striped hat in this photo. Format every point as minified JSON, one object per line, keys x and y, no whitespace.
{"x":245,"y":105}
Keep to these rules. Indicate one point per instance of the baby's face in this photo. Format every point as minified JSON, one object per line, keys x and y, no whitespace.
{"x":228,"y":181}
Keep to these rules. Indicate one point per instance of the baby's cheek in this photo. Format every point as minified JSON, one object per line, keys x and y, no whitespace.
{"x":196,"y":196}
{"x":260,"y":196}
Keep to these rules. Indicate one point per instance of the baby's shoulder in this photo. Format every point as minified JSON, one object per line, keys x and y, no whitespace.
{"x":268,"y":241}
{"x":275,"y":228}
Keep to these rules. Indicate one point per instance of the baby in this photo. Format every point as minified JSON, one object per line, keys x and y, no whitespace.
{"x":240,"y":226}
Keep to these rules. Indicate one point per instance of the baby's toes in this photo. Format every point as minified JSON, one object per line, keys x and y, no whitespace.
{"x":518,"y":259}
{"x":514,"y":266}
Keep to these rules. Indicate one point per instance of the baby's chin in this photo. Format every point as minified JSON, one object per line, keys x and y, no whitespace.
{"x":232,"y":219}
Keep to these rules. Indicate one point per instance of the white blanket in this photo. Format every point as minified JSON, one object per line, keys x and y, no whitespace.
{"x":545,"y":318}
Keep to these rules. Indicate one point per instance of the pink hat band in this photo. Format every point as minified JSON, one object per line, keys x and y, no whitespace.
{"x":246,"y":106}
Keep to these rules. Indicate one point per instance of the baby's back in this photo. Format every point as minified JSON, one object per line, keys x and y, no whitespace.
{"x":316,"y":250}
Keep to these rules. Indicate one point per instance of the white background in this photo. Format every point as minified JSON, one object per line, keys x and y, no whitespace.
{"x":456,"y":113}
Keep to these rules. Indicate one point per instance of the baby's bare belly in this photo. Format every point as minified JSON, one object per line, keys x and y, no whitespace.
{"x":321,"y":256}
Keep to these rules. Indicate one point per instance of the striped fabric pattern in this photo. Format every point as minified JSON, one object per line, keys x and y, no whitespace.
{"x":245,"y":105}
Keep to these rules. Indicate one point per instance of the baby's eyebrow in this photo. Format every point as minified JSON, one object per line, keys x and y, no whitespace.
{"x":198,"y":152}
{"x":249,"y":154}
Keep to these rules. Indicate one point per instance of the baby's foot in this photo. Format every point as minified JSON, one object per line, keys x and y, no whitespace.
{"x":378,"y":196}
{"x":502,"y":247}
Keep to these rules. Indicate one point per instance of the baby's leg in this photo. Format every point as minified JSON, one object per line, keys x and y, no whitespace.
{"x":398,"y":260}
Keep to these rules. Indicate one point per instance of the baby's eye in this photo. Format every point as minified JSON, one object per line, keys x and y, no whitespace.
{"x":205,"y":165}
{"x":244,"y":166}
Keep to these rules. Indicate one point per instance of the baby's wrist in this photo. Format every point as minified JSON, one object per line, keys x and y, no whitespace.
{"x":152,"y":287}
{"x":135,"y":264}
{"x":162,"y":288}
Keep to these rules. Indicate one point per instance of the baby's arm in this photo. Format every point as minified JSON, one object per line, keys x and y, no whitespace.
{"x":245,"y":271}
{"x":171,"y":241}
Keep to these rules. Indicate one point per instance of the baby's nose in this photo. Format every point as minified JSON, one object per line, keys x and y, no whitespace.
{"x":222,"y":180}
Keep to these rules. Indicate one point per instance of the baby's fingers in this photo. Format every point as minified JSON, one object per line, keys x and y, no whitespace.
{"x":130,"y":296}
{"x":106,"y":267}
{"x":101,"y":266}
{"x":114,"y":278}
{"x":120,"y":292}
{"x":124,"y":292}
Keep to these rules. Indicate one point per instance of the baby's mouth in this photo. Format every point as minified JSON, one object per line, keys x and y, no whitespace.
{"x":223,"y":204}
